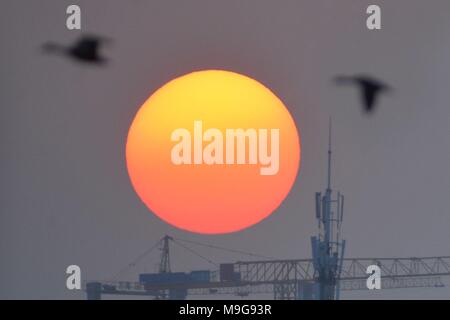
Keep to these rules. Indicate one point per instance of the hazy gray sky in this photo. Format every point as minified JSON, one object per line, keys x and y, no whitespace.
{"x":65,"y":192}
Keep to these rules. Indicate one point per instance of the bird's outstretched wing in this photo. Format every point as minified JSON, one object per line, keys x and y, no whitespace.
{"x":85,"y":49}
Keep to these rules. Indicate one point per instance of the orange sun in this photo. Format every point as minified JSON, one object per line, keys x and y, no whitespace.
{"x":213,"y":152}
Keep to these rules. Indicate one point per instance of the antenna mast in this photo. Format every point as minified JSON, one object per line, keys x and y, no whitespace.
{"x":329,"y":156}
{"x":327,"y":247}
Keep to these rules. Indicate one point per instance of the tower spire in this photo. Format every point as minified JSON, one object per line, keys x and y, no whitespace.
{"x":327,"y":247}
{"x":329,"y":155}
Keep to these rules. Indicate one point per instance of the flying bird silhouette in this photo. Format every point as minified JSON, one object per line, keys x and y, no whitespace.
{"x":86,"y":49}
{"x":370,"y":88}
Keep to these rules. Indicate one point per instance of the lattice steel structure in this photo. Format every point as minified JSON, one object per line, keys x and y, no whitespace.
{"x":285,"y":278}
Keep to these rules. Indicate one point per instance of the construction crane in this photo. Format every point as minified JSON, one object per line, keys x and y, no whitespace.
{"x":322,"y":277}
{"x":285,"y":279}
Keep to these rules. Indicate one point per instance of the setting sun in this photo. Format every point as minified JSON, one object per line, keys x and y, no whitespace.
{"x":213,"y":152}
